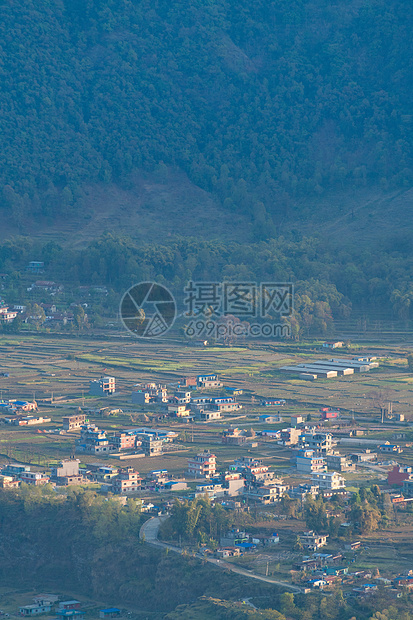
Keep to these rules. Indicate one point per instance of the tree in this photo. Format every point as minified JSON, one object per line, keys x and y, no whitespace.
{"x":315,"y":514}
{"x":287,"y":603}
{"x":388,"y":510}
{"x":365,"y":517}
{"x":37,"y":315}
{"x":289,"y":506}
{"x":79,"y":317}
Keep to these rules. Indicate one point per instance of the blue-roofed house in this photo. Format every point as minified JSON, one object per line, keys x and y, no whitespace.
{"x":270,"y":419}
{"x":111,"y":612}
{"x":390,"y":448}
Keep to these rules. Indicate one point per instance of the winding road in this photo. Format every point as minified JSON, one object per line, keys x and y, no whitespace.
{"x":149,"y":533}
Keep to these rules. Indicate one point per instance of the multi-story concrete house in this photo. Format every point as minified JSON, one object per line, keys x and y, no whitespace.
{"x":270,"y":419}
{"x":221,"y":404}
{"x":8,"y":482}
{"x":312,"y":541}
{"x":183,"y":396}
{"x":151,"y":444}
{"x":321,"y":443}
{"x":94,"y":441}
{"x":105,"y":386}
{"x":308,"y":462}
{"x":100,"y":473}
{"x":7,"y":315}
{"x":328,"y":481}
{"x":208,"y":415}
{"x":147,"y":393}
{"x":123,"y":441}
{"x":208,"y":381}
{"x":223,"y":485}
{"x":390,"y":448}
{"x":408,"y":487}
{"x":203,"y":465}
{"x":290,"y":436}
{"x":302,"y":490}
{"x":73,"y":422}
{"x":259,"y":474}
{"x":35,"y":478}
{"x":178,"y":410}
{"x":188,"y":381}
{"x":233,"y":437}
{"x":267,"y":493}
{"x":67,"y":472}
{"x":15,"y":469}
{"x":338,"y":461}
{"x":127,"y":482}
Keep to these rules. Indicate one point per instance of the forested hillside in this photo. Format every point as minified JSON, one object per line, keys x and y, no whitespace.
{"x":90,"y":546}
{"x":277,"y":134}
{"x":260,"y":103}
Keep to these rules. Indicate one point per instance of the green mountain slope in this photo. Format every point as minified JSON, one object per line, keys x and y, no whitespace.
{"x":259,"y":103}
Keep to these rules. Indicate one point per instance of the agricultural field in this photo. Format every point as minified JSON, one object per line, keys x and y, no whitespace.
{"x":56,"y":372}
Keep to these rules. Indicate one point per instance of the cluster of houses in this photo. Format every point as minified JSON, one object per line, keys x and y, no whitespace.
{"x":249,"y":477}
{"x":120,"y":481}
{"x":236,"y":542}
{"x":71,"y":609}
{"x":245,"y":477}
{"x":46,"y":286}
{"x":313,"y":451}
{"x":44,"y":603}
{"x":138,"y":441}
{"x":17,"y":406}
{"x":41,"y":288}
{"x":182,"y":404}
{"x":7,"y":314}
{"x":126,"y":481}
{"x":327,"y":569}
{"x":52,"y":316}
{"x":14,"y":474}
{"x":14,"y":413}
{"x":322,"y":569}
{"x":27,"y":420}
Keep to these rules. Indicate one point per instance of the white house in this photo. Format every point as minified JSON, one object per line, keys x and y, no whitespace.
{"x":329,"y":481}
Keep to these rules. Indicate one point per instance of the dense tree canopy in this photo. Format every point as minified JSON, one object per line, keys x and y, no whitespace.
{"x":330,"y":285}
{"x":258,"y":102}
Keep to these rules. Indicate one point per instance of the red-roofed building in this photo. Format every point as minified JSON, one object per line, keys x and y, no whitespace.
{"x":398,"y":474}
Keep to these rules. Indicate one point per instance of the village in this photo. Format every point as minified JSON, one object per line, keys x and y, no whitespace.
{"x":308,"y":486}
{"x":52,"y":605}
